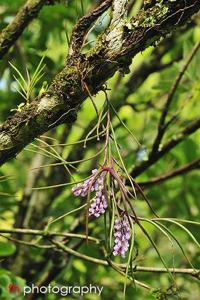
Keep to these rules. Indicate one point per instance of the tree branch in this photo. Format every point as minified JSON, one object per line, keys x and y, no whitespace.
{"x":46,"y":234}
{"x":162,"y":126}
{"x":185,"y":271}
{"x":176,"y":139}
{"x":195,"y":165}
{"x":26,"y":14}
{"x":66,"y":93}
{"x":192,"y":272}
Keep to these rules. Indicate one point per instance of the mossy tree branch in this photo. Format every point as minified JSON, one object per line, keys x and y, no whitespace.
{"x":26,"y":14}
{"x":67,"y":92}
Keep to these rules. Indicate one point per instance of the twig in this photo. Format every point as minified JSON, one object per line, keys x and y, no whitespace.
{"x":193,"y":272}
{"x":25,"y":15}
{"x":175,"y":140}
{"x":162,"y":126}
{"x":80,"y":255}
{"x":45,"y":234}
{"x":27,"y":243}
{"x":177,"y":172}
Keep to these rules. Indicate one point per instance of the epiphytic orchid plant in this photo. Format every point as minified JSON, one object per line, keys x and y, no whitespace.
{"x":106,"y":190}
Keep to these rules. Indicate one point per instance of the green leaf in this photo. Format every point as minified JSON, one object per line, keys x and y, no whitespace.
{"x":7,"y":249}
{"x":4,"y":280}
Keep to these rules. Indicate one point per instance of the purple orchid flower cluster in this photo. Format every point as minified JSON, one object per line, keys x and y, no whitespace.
{"x":99,"y":203}
{"x":98,"y":207}
{"x":122,"y":236}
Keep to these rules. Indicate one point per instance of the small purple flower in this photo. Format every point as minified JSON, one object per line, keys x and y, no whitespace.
{"x":99,"y":205}
{"x":82,"y":189}
{"x":122,"y":236}
{"x":96,"y":185}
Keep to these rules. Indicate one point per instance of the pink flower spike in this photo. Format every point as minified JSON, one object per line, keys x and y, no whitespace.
{"x":122,"y":236}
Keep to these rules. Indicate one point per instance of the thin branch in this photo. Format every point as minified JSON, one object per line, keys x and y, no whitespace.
{"x":192,"y":272}
{"x":50,"y":235}
{"x":175,"y":140}
{"x":78,"y":254}
{"x":35,"y":245}
{"x":46,"y":234}
{"x":180,"y":136}
{"x":184,"y":271}
{"x":195,"y":165}
{"x":95,"y":261}
{"x":26,"y":14}
{"x":162,"y":126}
